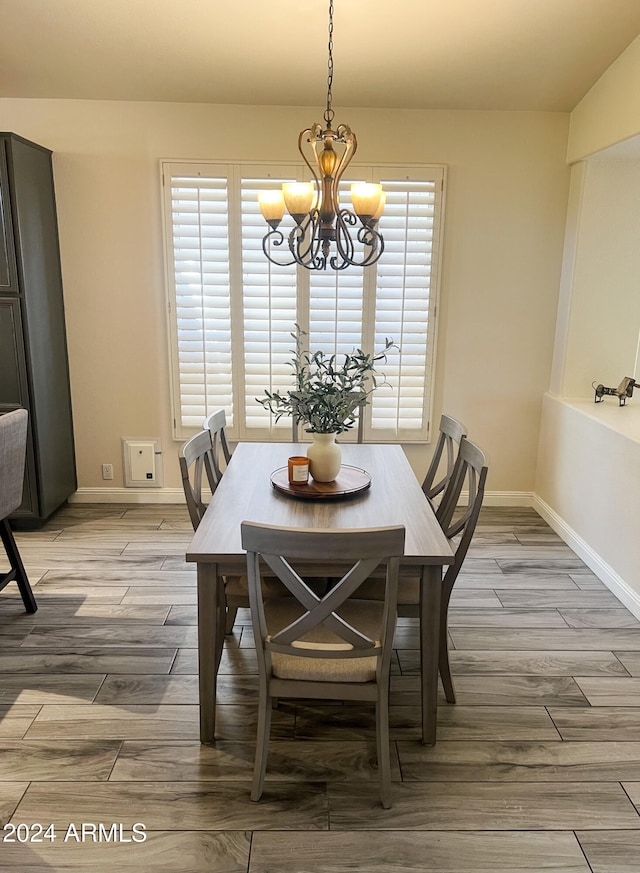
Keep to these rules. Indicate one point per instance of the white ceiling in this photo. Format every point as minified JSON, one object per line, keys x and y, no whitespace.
{"x":449,"y":54}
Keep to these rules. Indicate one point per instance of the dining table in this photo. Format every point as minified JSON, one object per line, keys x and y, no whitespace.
{"x":390,"y":495}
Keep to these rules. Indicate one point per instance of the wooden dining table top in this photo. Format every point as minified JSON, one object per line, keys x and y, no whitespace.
{"x":245,"y":493}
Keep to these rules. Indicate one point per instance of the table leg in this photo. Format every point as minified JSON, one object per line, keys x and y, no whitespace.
{"x":208,"y":645}
{"x":430,"y":594}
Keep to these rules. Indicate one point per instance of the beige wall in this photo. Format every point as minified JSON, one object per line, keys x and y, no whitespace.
{"x":587,"y":487}
{"x":610,"y":112}
{"x":605,"y":307}
{"x":504,"y":225}
{"x":589,"y":455}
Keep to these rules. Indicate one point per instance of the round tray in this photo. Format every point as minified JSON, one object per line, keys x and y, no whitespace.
{"x":349,"y":481}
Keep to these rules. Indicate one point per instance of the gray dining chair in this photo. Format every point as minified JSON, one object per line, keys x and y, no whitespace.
{"x":459,"y":524}
{"x":216,"y":424}
{"x":450,"y":434}
{"x":458,"y":521}
{"x":197,"y":468}
{"x":335,"y":646}
{"x":196,"y":463}
{"x":13,"y":449}
{"x":236,"y":592}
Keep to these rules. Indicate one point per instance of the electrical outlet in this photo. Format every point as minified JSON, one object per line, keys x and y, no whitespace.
{"x":107,"y":471}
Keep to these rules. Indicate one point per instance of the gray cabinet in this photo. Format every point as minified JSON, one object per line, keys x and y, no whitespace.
{"x":34,"y":370}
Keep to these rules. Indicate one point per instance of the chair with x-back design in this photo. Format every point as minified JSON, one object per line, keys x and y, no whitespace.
{"x":450,"y":435}
{"x":458,"y":514}
{"x":335,"y":646}
{"x":216,"y":424}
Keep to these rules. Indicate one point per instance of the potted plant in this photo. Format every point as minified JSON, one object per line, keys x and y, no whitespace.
{"x":328,"y":391}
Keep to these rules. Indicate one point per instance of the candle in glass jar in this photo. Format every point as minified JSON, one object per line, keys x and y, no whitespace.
{"x":298,"y":470}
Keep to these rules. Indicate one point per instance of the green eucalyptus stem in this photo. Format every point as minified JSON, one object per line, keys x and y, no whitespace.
{"x":327,"y":392}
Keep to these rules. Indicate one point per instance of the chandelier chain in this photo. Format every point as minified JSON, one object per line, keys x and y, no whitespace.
{"x":329,"y":114}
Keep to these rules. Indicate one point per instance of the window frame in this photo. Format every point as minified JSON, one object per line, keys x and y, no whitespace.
{"x":234,"y":173}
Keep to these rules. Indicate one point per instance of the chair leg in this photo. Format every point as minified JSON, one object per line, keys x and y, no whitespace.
{"x":17,"y":566}
{"x":232,"y":611}
{"x":443,"y":655}
{"x":382,"y":741}
{"x":221,"y":618}
{"x":445,"y":673}
{"x":262,"y":743}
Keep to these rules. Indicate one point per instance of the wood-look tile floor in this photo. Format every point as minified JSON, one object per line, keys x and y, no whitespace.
{"x":536,"y":768}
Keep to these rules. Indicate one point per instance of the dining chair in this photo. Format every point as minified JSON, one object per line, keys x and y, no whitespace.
{"x":459,"y":524}
{"x":13,"y":450}
{"x":197,"y":463}
{"x":451,"y":433}
{"x":216,"y":424}
{"x":467,"y":483}
{"x":334,"y":646}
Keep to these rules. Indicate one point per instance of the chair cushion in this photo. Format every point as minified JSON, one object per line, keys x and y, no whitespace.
{"x":13,"y":444}
{"x":408,"y":590}
{"x":236,"y":589}
{"x":365,"y":615}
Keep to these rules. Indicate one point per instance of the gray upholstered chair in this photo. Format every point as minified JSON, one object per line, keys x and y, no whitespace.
{"x":216,"y":424}
{"x":337,"y":646}
{"x":13,"y":449}
{"x":451,"y":433}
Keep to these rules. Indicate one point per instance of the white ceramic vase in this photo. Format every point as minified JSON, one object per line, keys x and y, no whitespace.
{"x":325,"y":457}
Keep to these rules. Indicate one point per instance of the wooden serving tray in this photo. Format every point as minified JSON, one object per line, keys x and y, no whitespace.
{"x":349,"y":481}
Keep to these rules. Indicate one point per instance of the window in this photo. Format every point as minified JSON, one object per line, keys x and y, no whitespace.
{"x":232,"y":312}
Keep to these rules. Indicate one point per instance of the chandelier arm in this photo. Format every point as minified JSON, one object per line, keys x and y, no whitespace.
{"x":373,"y":241}
{"x":367,"y":235}
{"x":310,"y":134}
{"x":345,"y":135}
{"x":305,"y":230}
{"x":307,"y":256}
{"x":275,"y":238}
{"x":344,"y":242}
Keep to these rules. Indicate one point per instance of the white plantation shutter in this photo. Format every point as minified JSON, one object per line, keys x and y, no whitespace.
{"x":336,"y":302}
{"x":404,"y":309}
{"x":233,"y":312}
{"x":269,"y":296}
{"x":199,"y":273}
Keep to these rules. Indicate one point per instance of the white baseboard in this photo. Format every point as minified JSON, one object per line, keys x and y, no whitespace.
{"x":128,"y":495}
{"x":614,"y":582}
{"x":505,"y":498}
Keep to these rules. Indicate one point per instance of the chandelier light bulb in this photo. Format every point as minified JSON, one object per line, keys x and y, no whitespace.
{"x":366,"y":199}
{"x":271,"y":205}
{"x":298,"y":198}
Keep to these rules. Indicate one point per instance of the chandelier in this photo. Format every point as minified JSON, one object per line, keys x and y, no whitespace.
{"x":319,"y":220}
